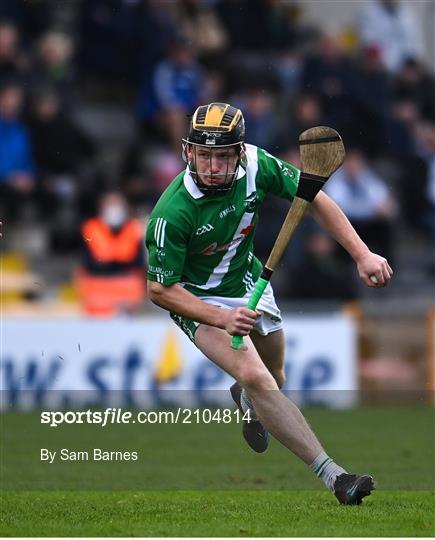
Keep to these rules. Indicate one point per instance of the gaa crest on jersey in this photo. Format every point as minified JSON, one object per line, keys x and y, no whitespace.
{"x":161,"y":255}
{"x":251,"y":202}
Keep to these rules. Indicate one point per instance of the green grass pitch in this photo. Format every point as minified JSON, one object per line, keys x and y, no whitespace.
{"x":202,"y":480}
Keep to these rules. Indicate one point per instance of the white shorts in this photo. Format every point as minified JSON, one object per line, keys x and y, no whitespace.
{"x":269,"y":321}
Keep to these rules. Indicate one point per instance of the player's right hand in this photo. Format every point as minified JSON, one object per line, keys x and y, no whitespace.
{"x":240,"y":321}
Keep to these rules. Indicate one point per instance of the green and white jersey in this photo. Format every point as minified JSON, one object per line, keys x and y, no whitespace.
{"x":205,"y":243}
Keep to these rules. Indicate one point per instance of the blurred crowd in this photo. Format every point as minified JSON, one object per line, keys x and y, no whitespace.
{"x":158,"y":60}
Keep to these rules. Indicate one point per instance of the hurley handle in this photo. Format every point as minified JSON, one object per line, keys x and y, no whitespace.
{"x":322,"y":152}
{"x":252,"y":304}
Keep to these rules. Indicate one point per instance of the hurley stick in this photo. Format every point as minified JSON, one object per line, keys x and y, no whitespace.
{"x":322,"y":153}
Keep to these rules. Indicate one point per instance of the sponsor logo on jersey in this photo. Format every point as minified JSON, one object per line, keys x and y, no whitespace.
{"x":204,"y":229}
{"x":160,"y":271}
{"x":247,"y":230}
{"x":227,"y":211}
{"x":251,"y":202}
{"x":212,"y":249}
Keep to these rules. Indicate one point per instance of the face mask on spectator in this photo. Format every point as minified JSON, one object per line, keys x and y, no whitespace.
{"x":114,"y":215}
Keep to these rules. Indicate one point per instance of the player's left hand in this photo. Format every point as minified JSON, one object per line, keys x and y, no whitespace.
{"x":374,"y":270}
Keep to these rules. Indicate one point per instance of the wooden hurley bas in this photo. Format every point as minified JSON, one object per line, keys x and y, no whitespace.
{"x":322,"y":153}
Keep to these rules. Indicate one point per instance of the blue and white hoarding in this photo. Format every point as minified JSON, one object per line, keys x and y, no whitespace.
{"x":47,"y":363}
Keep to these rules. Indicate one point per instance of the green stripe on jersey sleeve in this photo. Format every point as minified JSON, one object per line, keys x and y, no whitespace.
{"x":281,"y":178}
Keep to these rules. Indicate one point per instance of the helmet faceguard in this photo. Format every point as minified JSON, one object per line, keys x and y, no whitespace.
{"x":214,"y":147}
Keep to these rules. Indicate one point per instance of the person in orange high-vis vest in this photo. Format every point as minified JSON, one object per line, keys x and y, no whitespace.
{"x":111,"y":279}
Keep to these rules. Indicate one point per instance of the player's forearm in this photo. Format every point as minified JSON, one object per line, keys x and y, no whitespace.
{"x":330,"y":216}
{"x":176,"y":299}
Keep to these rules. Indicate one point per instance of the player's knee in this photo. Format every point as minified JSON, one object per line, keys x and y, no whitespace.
{"x":256,"y":378}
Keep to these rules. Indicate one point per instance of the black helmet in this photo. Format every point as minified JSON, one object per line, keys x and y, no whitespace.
{"x":217,"y":125}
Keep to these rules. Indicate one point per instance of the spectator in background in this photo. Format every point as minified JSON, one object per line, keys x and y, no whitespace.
{"x":114,"y":36}
{"x":287,"y":66}
{"x":31,"y":17}
{"x":161,"y":25}
{"x":400,"y":125}
{"x":321,"y":275}
{"x":17,"y":179}
{"x":330,"y":74}
{"x":12,"y":61}
{"x":260,"y":117}
{"x":413,"y":82}
{"x":59,"y":145}
{"x":63,"y":155}
{"x":366,"y":200}
{"x":53,"y":65}
{"x":164,"y":166}
{"x":390,"y":25}
{"x":417,"y":183}
{"x":307,"y":112}
{"x":172,"y":92}
{"x":276,"y":27}
{"x":258,"y":24}
{"x":147,"y":172}
{"x":111,"y":279}
{"x":372,"y":85}
{"x":203,"y":29}
{"x":136,"y":184}
{"x":372,"y":94}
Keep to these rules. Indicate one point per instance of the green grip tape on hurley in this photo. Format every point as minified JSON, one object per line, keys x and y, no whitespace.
{"x":252,"y":304}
